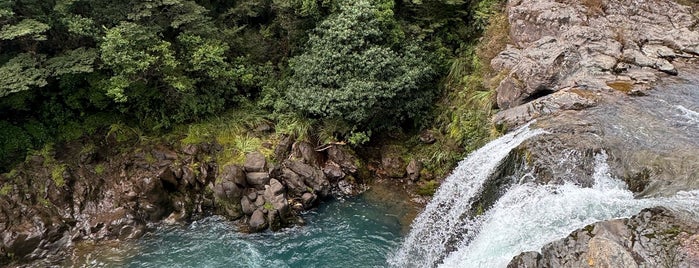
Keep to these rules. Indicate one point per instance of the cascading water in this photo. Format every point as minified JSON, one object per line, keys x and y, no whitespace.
{"x":529,"y":216}
{"x":444,"y":219}
{"x":525,"y":218}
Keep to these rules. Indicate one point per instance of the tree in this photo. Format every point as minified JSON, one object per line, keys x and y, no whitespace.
{"x":358,"y":69}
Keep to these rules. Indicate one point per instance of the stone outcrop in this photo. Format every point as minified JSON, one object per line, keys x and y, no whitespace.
{"x":564,"y":47}
{"x":50,"y":202}
{"x":55,"y":199}
{"x":656,"y":237}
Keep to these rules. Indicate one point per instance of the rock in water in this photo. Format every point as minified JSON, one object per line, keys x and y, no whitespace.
{"x":258,"y":221}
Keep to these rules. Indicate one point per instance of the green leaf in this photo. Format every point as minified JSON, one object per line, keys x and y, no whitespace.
{"x":26,"y":28}
{"x":75,"y":61}
{"x":22,"y":73}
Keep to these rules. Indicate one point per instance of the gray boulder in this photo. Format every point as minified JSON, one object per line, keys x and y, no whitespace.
{"x":257,"y":179}
{"x":558,"y":45}
{"x":312,"y":177}
{"x":258,"y":221}
{"x":255,"y":162}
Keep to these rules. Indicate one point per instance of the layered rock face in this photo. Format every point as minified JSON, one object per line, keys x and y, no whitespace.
{"x":565,"y":52}
{"x":656,"y":237}
{"x":68,"y":195}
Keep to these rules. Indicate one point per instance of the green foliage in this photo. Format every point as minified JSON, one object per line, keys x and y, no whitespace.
{"x":428,"y":188}
{"x":355,"y":70}
{"x":359,"y":138}
{"x":27,"y":28}
{"x":6,"y":189}
{"x":57,"y":174}
{"x":295,"y":126}
{"x":268,"y":206}
{"x":22,"y":73}
{"x":469,"y":101}
{"x":80,"y":60}
{"x":99,"y":169}
{"x":232,"y":132}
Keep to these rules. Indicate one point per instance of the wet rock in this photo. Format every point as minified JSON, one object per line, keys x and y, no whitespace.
{"x":526,"y":259}
{"x":255,"y":162}
{"x":294,"y":181}
{"x":190,"y":149}
{"x":257,"y":179}
{"x":413,"y":169}
{"x":227,"y":190}
{"x":305,"y":151}
{"x":258,"y":221}
{"x":560,"y":45}
{"x":345,"y":159}
{"x":283,"y":147}
{"x":188,"y":175}
{"x":234,"y":174}
{"x":167,"y":176}
{"x":260,"y":200}
{"x":275,"y":194}
{"x":311,"y":176}
{"x":656,"y":237}
{"x":393,"y":164}
{"x":567,"y":99}
{"x":346,"y":188}
{"x":248,"y":207}
{"x":275,"y":220}
{"x":307,"y":199}
{"x":333,"y":171}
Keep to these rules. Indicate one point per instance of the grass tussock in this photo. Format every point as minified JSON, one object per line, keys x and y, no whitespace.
{"x":235,"y":132}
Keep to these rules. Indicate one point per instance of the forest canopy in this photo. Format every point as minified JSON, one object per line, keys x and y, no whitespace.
{"x":70,"y":68}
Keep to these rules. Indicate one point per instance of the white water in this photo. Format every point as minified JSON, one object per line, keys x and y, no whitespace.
{"x":443,"y":219}
{"x":529,"y":216}
{"x":525,"y":218}
{"x":693,"y":116}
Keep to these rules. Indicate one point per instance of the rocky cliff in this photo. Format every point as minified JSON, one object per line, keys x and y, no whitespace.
{"x":564,"y":54}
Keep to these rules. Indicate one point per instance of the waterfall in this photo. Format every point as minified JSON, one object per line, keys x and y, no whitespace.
{"x":525,"y":218}
{"x":445,"y":217}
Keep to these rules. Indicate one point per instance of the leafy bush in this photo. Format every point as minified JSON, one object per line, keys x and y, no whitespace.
{"x":357,"y":68}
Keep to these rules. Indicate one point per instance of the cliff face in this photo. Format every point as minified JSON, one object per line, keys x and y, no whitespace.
{"x":562,"y":47}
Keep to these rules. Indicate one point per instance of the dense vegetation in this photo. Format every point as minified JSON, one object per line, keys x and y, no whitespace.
{"x":70,"y":68}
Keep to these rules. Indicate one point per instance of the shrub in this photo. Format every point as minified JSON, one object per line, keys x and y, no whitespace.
{"x":357,"y":69}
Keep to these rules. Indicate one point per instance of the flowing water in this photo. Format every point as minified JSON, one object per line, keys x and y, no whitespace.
{"x":443,"y":221}
{"x":525,"y":218}
{"x":357,"y":232}
{"x":660,"y":129}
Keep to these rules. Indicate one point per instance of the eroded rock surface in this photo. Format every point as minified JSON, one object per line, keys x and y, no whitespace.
{"x":600,"y":46}
{"x":656,"y":237}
